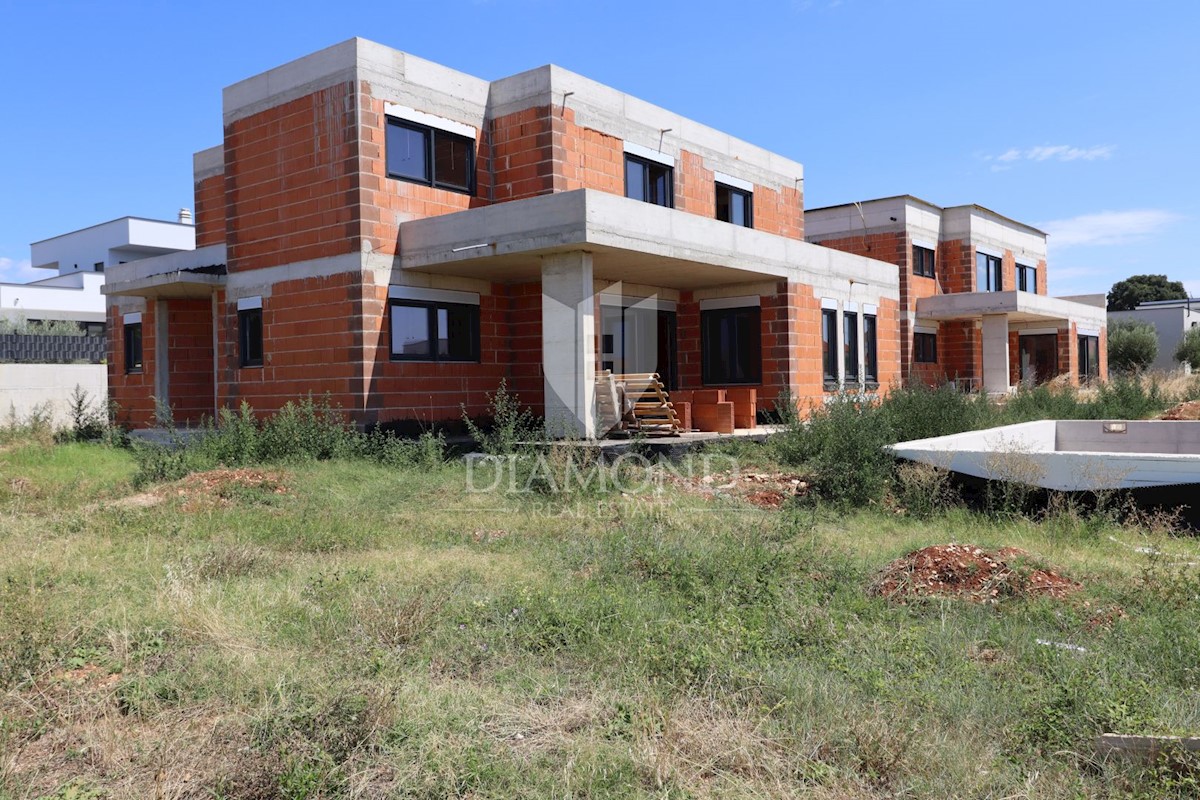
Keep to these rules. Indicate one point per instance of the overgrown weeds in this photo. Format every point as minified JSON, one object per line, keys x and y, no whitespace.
{"x":306,"y":430}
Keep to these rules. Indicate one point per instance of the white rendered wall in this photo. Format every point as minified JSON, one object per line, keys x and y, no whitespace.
{"x":26,"y":388}
{"x":82,"y":302}
{"x":125,"y":239}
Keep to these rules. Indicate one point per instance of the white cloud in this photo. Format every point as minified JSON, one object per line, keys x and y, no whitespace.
{"x":1107,"y":227}
{"x":1051,"y":152}
{"x":14,"y":271}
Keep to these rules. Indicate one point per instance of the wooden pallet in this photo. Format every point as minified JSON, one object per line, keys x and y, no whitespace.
{"x":652,"y":407}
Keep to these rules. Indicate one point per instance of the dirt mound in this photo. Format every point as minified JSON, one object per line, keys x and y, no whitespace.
{"x":1184,"y":411}
{"x":969,"y":572}
{"x":221,"y":487}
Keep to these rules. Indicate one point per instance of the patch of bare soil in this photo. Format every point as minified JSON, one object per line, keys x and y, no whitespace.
{"x":770,"y":490}
{"x":218,"y":488}
{"x":970,"y":573}
{"x":1184,"y":411}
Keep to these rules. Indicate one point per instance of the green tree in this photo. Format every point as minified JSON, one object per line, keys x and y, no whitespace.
{"x":1126,"y":295}
{"x":1132,"y":345}
{"x":1188,"y":350}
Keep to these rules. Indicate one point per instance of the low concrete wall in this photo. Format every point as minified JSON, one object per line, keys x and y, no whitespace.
{"x":25,"y":388}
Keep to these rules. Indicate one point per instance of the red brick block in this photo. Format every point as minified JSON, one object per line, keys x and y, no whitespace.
{"x":703,"y":397}
{"x":683,"y":410}
{"x":717,"y":417}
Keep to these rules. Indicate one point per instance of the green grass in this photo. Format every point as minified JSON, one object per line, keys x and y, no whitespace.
{"x":384,"y":632}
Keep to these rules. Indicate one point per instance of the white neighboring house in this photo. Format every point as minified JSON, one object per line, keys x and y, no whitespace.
{"x":1171,"y":318}
{"x":78,"y":260}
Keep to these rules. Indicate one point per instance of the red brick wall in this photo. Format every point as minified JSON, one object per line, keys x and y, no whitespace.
{"x":1068,"y":354}
{"x":687,"y":341}
{"x":780,"y":212}
{"x":522,"y":153}
{"x":190,"y":359}
{"x":308,"y":346}
{"x":695,"y":190}
{"x":291,"y":181}
{"x":210,"y":211}
{"x":960,"y":351}
{"x":427,"y":391}
{"x":524,"y":338}
{"x":387,"y":202}
{"x":956,"y":266}
{"x":133,"y":393}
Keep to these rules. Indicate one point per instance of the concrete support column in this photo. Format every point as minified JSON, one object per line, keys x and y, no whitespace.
{"x":162,"y":360}
{"x":995,"y":353}
{"x":569,"y":344}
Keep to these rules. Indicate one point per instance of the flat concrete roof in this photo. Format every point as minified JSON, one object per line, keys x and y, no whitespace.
{"x":110,"y":222}
{"x":1018,"y":306}
{"x":629,"y":240}
{"x":935,"y":206}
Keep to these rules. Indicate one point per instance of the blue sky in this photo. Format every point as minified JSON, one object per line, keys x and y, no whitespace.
{"x":1081,"y":118}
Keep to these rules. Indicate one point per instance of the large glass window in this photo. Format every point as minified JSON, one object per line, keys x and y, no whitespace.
{"x":870,"y":349}
{"x":649,"y":181}
{"x":430,"y":156}
{"x":734,"y":205}
{"x":1026,"y":278}
{"x":133,"y":347}
{"x":731,"y":346}
{"x":925,"y":348}
{"x":829,"y":344}
{"x":850,"y":346}
{"x":987,"y":273}
{"x":434,"y":331}
{"x":923,"y":262}
{"x":1089,"y":357}
{"x":250,"y":337}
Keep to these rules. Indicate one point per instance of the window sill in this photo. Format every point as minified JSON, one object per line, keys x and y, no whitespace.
{"x":403,"y":360}
{"x":134,"y":371}
{"x":430,"y":185}
{"x":832,"y":386}
{"x":250,"y":366}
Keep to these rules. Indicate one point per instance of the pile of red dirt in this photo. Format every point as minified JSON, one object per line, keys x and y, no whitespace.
{"x":1184,"y":411}
{"x":971,"y":573}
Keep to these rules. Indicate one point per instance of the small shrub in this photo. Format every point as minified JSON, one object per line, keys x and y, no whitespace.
{"x":843,"y":443}
{"x":512,"y":425}
{"x":921,"y":412}
{"x":923,"y":490}
{"x":1132,"y":345}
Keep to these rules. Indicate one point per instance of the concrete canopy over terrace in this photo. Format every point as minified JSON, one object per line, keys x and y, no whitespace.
{"x":997,"y":311}
{"x":568,"y":240}
{"x":189,"y":273}
{"x":629,"y":240}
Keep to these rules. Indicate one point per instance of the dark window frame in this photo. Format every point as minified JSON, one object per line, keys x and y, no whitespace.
{"x":131,"y":339}
{"x":851,"y":363}
{"x":748,"y":196}
{"x":1088,"y":369}
{"x":925,"y":348}
{"x":829,"y":345}
{"x":924,"y":262}
{"x":1024,"y":273}
{"x":432,"y":308}
{"x":432,"y":135}
{"x":648,"y":165}
{"x":993,"y":268}
{"x":752,"y":369}
{"x":870,"y":354}
{"x":250,"y":327}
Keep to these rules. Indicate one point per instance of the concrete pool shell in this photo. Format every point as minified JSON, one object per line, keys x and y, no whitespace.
{"x":1070,"y":455}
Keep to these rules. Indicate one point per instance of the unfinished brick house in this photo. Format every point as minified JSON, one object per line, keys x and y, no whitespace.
{"x":402,"y":237}
{"x":974,"y":307}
